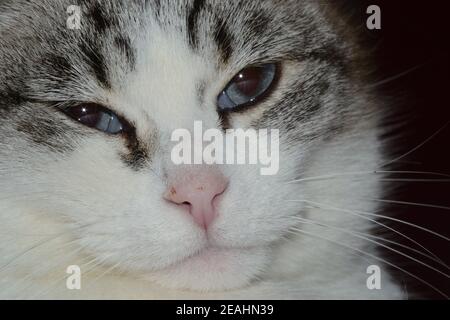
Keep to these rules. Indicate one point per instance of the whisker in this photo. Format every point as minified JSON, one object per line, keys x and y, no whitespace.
{"x":361,"y":236}
{"x":58,"y":252}
{"x":414,"y":180}
{"x":440,"y":262}
{"x":418,"y":146}
{"x":394,"y":231}
{"x":378,"y":216}
{"x":36,"y":271}
{"x":109,"y":270}
{"x":425,"y":205}
{"x":395,"y":77}
{"x":384,"y":226}
{"x":39,"y":244}
{"x":376,"y":258}
{"x":363,"y":173}
{"x":95,"y":261}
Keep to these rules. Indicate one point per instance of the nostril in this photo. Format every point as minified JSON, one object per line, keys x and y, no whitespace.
{"x":186,"y":203}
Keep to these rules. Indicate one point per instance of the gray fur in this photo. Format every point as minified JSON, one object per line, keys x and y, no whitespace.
{"x":320,"y":105}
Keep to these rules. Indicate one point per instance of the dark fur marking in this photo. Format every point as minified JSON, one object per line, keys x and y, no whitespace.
{"x":157,"y":7}
{"x":224,"y":120}
{"x":138,"y":155}
{"x":258,"y":24}
{"x":58,"y":67}
{"x":331,"y":54}
{"x":124,"y":45}
{"x":96,"y":62}
{"x":59,"y":63}
{"x":101,"y":23}
{"x":223,"y":40}
{"x":192,"y":22}
{"x":9,"y":98}
{"x":307,"y":98}
{"x":45,"y":132}
{"x":201,"y":87}
{"x":319,"y":90}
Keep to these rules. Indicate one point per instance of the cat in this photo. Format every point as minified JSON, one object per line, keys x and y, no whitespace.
{"x":86,"y":177}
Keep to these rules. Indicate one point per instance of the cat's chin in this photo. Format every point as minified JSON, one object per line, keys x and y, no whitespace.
{"x":214,"y":269}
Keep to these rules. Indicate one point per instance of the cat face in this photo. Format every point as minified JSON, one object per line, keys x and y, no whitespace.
{"x":157,"y":67}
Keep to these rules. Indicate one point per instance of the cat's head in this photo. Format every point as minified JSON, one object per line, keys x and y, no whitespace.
{"x":87,"y":115}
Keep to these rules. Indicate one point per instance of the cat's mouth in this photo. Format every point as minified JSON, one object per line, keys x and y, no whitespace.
{"x":208,"y":256}
{"x":213,"y":269}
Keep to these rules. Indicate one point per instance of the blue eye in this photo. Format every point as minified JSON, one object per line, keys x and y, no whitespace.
{"x":98,"y":117}
{"x":247,"y":87}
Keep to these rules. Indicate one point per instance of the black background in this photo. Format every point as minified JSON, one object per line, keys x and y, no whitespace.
{"x":414,"y":35}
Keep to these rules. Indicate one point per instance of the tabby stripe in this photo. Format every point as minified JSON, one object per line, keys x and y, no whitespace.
{"x":101,"y":23}
{"x":97,"y":63}
{"x":124,"y":45}
{"x":223,"y":40}
{"x":192,"y":22}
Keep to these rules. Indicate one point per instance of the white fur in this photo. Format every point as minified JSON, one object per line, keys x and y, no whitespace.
{"x":57,"y":211}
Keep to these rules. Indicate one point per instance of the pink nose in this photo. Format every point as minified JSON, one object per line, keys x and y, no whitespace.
{"x":198,"y":190}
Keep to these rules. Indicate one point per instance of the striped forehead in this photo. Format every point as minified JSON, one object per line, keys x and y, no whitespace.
{"x":214,"y":29}
{"x":164,"y":64}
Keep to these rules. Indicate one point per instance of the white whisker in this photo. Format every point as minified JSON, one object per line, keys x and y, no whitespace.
{"x":362,"y":236}
{"x":96,"y":261}
{"x":41,"y":268}
{"x":376,"y":258}
{"x":364,"y":173}
{"x":386,"y":227}
{"x":325,"y":206}
{"x":414,"y":180}
{"x":109,"y":270}
{"x":425,"y":205}
{"x":395,"y":77}
{"x":23,"y":253}
{"x":420,"y":145}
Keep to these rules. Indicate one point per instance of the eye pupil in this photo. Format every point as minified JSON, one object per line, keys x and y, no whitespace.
{"x":248,"y":81}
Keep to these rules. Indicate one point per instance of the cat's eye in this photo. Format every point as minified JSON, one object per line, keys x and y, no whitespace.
{"x":98,"y":117}
{"x":248,"y":87}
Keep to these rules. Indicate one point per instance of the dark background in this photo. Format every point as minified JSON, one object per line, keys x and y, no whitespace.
{"x":414,"y":35}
